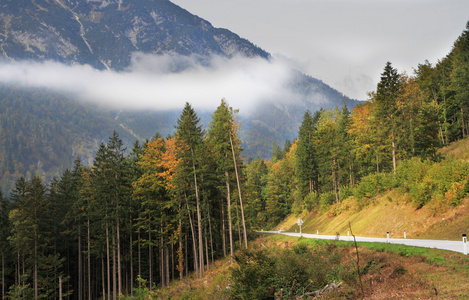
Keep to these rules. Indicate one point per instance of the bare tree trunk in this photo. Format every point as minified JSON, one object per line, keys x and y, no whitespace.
{"x":211,"y":240}
{"x":206,"y":253}
{"x":166,"y":254}
{"x":223,"y":228}
{"x":108,"y":258}
{"x":162,"y":268}
{"x":119,"y":269}
{"x":150,"y":255}
{"x":3,"y":276}
{"x":89,"y":260}
{"x":239,"y":191}
{"x":80,"y":275}
{"x":131,"y":258}
{"x":103,"y":278}
{"x":60,"y":287}
{"x":114,"y":268}
{"x":180,"y":252}
{"x":199,"y":219}
{"x":228,"y":199}
{"x":334,"y":180}
{"x":394,"y":165}
{"x":139,"y":255}
{"x":36,"y":288}
{"x":172,"y":257}
{"x":187,"y":258}
{"x":194,"y":243}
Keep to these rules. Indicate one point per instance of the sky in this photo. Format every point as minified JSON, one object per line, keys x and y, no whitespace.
{"x":344,"y":43}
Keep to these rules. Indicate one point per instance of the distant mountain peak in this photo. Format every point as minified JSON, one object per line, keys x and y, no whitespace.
{"x":105,"y":33}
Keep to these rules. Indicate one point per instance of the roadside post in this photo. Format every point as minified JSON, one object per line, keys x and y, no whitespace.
{"x":300,"y":222}
{"x":388,"y":236}
{"x":464,"y":242}
{"x":404,"y":235}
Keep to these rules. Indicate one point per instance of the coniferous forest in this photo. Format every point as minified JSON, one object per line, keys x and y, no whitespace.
{"x":173,"y":205}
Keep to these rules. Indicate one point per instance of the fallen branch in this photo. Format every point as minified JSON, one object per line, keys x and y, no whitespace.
{"x":328,"y":288}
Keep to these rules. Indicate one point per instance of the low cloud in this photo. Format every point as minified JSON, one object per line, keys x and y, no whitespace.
{"x":161,"y":82}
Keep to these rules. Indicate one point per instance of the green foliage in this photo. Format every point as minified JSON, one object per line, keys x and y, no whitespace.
{"x":373,"y":184}
{"x":263,"y":273}
{"x":312,"y":200}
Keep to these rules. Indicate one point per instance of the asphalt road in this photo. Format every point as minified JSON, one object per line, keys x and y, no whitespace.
{"x":456,"y":246}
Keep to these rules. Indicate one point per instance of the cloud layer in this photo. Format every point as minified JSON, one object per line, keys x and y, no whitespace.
{"x":160,"y":82}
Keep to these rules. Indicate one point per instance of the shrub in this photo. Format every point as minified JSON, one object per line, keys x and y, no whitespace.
{"x":262,"y":274}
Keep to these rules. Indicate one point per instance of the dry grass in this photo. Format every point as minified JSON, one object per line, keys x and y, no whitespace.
{"x":458,"y":150}
{"x":390,"y":212}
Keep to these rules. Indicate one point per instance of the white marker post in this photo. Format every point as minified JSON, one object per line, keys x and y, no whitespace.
{"x":404,"y":235}
{"x":388,"y":236}
{"x":300,"y":222}
{"x":464,"y":241}
{"x":317,"y":232}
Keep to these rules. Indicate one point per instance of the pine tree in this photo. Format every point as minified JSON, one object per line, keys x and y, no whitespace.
{"x":189,"y":140}
{"x":386,"y":107}
{"x":306,"y":161}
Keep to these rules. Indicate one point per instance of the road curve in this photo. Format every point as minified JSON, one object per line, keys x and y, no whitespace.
{"x":437,"y":244}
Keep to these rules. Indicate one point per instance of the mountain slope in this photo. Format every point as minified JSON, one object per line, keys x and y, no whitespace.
{"x":105,"y":33}
{"x":42,"y":132}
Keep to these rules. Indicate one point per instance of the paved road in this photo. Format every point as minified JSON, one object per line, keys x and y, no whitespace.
{"x":456,"y":246}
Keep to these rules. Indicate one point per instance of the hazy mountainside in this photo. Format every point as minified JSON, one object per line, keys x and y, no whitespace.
{"x":105,"y":33}
{"x":42,"y":131}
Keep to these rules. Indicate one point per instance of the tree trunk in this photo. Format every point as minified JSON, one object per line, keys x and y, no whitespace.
{"x":162,"y":268}
{"x":206,"y":253}
{"x":80,"y":281}
{"x":114,"y":268}
{"x":150,"y":254}
{"x":180,"y":252}
{"x":131,"y":258}
{"x":167,"y":264}
{"x":119,"y":269}
{"x":334,"y":181}
{"x":36,"y":288}
{"x":239,"y":191}
{"x":394,"y":165}
{"x":103,"y":278}
{"x":199,"y":219}
{"x":3,"y":276}
{"x":228,"y":200}
{"x":89,"y":260}
{"x":223,"y":230}
{"x":139,"y":255}
{"x":108,"y":258}
{"x":194,"y":244}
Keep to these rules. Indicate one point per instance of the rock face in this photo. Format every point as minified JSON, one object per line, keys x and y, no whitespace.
{"x":105,"y":33}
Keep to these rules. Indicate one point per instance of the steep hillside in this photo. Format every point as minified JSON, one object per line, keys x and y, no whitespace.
{"x":394,"y":211}
{"x":43,"y":132}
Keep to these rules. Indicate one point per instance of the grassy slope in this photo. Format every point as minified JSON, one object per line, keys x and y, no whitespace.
{"x":390,"y":212}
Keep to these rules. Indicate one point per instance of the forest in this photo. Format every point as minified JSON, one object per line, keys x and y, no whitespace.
{"x":172,"y":206}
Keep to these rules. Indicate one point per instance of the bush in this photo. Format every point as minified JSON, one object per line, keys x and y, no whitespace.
{"x":311,"y":200}
{"x":262,"y":274}
{"x":326,"y":199}
{"x":373,"y":184}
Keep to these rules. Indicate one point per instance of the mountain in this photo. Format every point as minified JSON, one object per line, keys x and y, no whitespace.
{"x":105,"y":34}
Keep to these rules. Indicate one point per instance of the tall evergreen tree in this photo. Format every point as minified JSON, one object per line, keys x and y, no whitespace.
{"x":306,"y":161}
{"x":386,"y":107}
{"x":190,"y":142}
